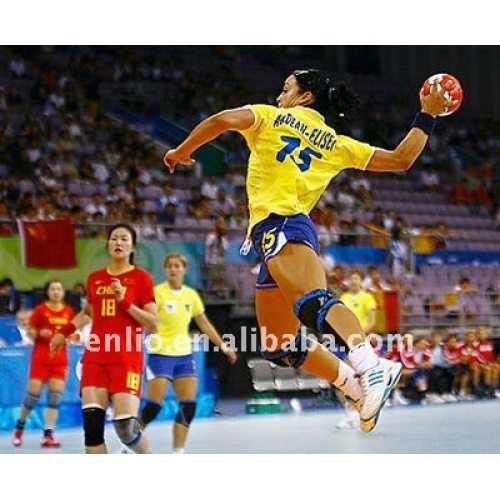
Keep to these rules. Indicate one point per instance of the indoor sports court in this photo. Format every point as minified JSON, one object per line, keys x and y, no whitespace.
{"x":472,"y":427}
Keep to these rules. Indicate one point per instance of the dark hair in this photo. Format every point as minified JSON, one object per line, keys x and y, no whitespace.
{"x":333,"y":101}
{"x":132,"y":232}
{"x":47,"y":286}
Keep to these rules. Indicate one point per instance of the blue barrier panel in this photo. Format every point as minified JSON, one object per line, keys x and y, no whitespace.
{"x":14,"y":370}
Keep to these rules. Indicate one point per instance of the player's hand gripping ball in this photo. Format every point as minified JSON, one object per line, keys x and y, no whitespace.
{"x":452,"y":87}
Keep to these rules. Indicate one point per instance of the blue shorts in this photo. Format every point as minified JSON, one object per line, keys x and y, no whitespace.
{"x":171,"y":367}
{"x":272,"y":234}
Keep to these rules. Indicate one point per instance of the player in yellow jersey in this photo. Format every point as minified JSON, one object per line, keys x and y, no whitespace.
{"x":294,"y":154}
{"x":170,"y":354}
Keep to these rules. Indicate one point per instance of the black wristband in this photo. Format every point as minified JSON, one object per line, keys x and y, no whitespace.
{"x":425,"y":122}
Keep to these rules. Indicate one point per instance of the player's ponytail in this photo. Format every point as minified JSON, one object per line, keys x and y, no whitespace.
{"x":344,"y":102}
{"x":333,"y":101}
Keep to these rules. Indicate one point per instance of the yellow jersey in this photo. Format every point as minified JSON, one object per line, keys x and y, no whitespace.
{"x":360,"y":304}
{"x":293,"y":157}
{"x":176,"y":309}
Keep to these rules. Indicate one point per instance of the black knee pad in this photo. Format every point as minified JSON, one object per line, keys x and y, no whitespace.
{"x":93,"y":425}
{"x":54,"y":399}
{"x":294,"y":355}
{"x":149,"y":412}
{"x":186,"y":413}
{"x":30,"y":401}
{"x":312,"y":309}
{"x":127,"y":430}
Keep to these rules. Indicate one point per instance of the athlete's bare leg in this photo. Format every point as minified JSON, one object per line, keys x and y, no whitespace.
{"x":55,"y":385}
{"x":298,"y":271}
{"x":185,"y":390}
{"x":278,"y":324}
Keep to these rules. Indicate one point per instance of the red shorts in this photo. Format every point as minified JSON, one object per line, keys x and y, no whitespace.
{"x":47,"y":371}
{"x":114,"y":378}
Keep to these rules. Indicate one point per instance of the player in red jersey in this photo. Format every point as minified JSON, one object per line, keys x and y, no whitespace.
{"x":46,"y":320}
{"x":490,"y":369}
{"x":120,"y":304}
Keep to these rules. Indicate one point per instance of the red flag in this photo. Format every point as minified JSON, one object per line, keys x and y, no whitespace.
{"x":47,"y":244}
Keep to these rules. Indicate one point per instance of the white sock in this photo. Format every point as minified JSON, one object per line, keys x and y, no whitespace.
{"x":347,"y":382}
{"x":178,"y":451}
{"x":362,"y":358}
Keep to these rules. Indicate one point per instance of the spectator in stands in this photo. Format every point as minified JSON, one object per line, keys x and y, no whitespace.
{"x":168,"y":216}
{"x":347,"y":236}
{"x":216,"y":246}
{"x":197,"y":204}
{"x":415,"y":357}
{"x":9,"y":301}
{"x":399,"y":251}
{"x":239,"y":218}
{"x":168,"y":197}
{"x":328,"y":226}
{"x":6,"y":228}
{"x":79,"y":288}
{"x":210,"y":187}
{"x":171,"y":360}
{"x":461,"y":193}
{"x":429,"y":180}
{"x":390,"y":220}
{"x":487,"y":371}
{"x":96,"y":206}
{"x":227,"y":183}
{"x":441,"y":374}
{"x":458,"y":302}
{"x":395,"y":352}
{"x":461,"y":376}
{"x":373,"y":282}
{"x":47,"y":368}
{"x":441,"y":235}
{"x":223,"y":205}
{"x":22,"y":327}
{"x":337,"y":280}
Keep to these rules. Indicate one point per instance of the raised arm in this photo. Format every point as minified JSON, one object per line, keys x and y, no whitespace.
{"x":206,"y":131}
{"x":411,"y":147}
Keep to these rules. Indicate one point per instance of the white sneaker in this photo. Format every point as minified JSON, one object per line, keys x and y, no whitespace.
{"x":449,"y":398}
{"x":350,"y":420}
{"x":434,"y":399}
{"x":466,"y":397}
{"x":377,"y":384}
{"x":398,"y":399}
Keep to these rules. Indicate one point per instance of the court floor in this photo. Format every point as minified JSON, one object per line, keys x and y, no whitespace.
{"x":472,"y":427}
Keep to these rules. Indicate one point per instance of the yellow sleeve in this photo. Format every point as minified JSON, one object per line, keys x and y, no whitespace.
{"x":197,"y":306}
{"x":260,"y":113}
{"x":370,"y":302}
{"x":357,"y":154}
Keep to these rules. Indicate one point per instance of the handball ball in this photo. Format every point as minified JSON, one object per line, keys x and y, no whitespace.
{"x":451,"y":85}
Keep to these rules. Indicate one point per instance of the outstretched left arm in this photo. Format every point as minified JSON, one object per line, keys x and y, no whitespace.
{"x":206,"y":131}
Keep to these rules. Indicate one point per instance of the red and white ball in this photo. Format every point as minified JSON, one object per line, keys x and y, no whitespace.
{"x":451,"y":85}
